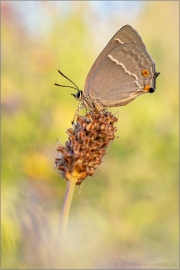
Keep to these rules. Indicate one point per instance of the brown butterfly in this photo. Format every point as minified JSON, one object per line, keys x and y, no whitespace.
{"x":123,"y":71}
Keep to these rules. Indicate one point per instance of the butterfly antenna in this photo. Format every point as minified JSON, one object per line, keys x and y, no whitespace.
{"x":66,"y":86}
{"x":76,"y":87}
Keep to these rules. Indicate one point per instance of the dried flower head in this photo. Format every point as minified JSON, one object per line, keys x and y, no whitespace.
{"x":86,"y":145}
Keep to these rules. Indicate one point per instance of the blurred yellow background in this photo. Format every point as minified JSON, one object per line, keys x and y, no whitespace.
{"x":126,"y":215}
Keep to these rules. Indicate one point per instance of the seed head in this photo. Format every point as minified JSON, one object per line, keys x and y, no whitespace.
{"x":86,"y":145}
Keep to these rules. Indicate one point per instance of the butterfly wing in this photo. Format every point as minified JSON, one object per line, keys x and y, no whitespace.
{"x":125,"y":35}
{"x":118,"y":78}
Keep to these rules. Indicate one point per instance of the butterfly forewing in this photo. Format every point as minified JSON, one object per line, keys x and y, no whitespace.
{"x":125,"y":35}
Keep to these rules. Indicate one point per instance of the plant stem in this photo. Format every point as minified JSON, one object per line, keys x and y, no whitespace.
{"x":66,"y":207}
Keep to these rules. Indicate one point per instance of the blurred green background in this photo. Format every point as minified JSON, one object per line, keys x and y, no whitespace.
{"x":126,"y":215}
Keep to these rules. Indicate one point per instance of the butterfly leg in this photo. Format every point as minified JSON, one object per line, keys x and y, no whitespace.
{"x":75,"y":115}
{"x":80,"y":106}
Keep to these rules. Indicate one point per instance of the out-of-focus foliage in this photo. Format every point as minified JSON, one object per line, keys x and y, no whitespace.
{"x":126,"y":216}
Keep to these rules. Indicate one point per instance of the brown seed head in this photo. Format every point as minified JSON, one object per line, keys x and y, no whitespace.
{"x":86,"y":145}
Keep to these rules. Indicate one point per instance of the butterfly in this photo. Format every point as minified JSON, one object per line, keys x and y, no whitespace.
{"x":123,"y":71}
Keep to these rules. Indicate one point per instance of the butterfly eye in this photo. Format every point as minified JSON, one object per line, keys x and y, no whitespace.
{"x":79,"y":95}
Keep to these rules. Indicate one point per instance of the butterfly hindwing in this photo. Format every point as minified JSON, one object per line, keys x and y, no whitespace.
{"x":119,"y":75}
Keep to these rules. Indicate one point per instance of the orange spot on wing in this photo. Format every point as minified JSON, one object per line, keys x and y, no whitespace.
{"x":145,"y":72}
{"x":146,"y":88}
